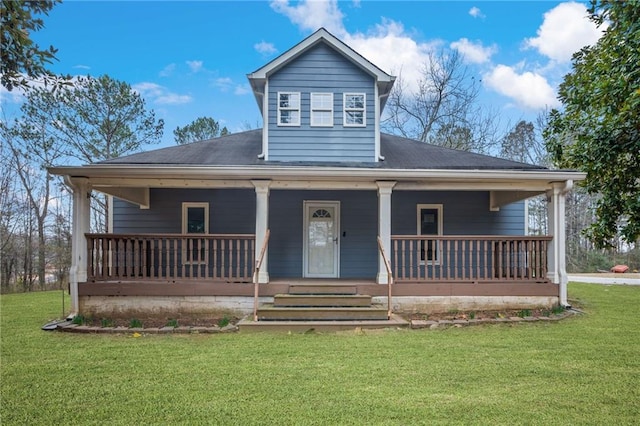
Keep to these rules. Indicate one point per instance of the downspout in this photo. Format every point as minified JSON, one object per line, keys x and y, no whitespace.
{"x":378,"y":114}
{"x":562,"y":255}
{"x":265,"y":115}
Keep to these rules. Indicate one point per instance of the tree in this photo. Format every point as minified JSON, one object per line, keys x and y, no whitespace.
{"x":96,"y":119}
{"x":598,"y":131}
{"x":34,"y":148}
{"x":201,"y":129}
{"x":443,"y":110}
{"x":20,"y":55}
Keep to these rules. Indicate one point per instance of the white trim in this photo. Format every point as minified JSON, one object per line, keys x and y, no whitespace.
{"x":311,"y":41}
{"x":474,"y":178}
{"x":296,"y":108}
{"x":376,"y":118}
{"x":354,"y":109}
{"x":438,"y":207}
{"x":307,"y":206}
{"x":313,"y":109}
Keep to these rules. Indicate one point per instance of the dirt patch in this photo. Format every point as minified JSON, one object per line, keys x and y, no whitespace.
{"x":469,"y":315}
{"x":155,"y":322}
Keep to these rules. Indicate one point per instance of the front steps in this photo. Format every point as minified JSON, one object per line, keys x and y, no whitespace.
{"x":320,"y":308}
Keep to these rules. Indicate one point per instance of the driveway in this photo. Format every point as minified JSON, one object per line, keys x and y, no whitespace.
{"x":606,"y":278}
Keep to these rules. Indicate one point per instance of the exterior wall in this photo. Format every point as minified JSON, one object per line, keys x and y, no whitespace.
{"x":463,"y":213}
{"x":440,"y":304}
{"x":321,"y":69}
{"x":358,"y":231}
{"x":230,"y":211}
{"x":233,"y":211}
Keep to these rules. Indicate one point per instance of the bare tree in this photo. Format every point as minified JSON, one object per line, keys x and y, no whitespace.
{"x":443,"y":109}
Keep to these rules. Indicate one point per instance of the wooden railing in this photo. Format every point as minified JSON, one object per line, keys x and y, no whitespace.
{"x":387,"y":265}
{"x":469,"y":258}
{"x":168,"y":257}
{"x":256,"y":274}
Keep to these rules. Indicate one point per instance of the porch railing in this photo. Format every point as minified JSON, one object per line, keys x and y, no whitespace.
{"x":227,"y":257}
{"x":469,"y":258}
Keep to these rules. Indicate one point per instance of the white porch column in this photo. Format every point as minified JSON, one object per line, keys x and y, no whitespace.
{"x":556,"y":261}
{"x":262,"y":224}
{"x":384,"y":226}
{"x":81,"y":219}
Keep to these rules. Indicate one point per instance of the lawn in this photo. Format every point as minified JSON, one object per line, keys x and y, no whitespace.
{"x":582,"y":370}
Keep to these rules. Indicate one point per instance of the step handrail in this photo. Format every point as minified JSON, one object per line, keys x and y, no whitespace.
{"x":387,"y":265}
{"x":256,"y":274}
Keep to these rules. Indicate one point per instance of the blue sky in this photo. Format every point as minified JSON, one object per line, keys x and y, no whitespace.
{"x":190,"y":59}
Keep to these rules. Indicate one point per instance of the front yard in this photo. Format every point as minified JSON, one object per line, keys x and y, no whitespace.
{"x":582,"y":370}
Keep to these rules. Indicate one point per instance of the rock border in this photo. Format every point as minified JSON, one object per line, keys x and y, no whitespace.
{"x":76,"y":328}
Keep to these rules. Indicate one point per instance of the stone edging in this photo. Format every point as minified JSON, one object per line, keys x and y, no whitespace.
{"x":75,"y":328}
{"x":439,"y":324}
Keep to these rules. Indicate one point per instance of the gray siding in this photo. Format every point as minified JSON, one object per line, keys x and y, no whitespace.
{"x":463,"y":213}
{"x":358,"y":232}
{"x":233,"y":211}
{"x":230,"y":211}
{"x":321,"y":69}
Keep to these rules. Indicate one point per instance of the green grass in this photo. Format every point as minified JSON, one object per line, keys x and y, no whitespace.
{"x":582,"y":370}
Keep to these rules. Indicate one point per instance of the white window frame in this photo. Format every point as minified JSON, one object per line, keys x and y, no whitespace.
{"x":202,"y":258}
{"x":347,"y":109}
{"x":289,"y":108}
{"x":321,"y":108}
{"x":438,"y":254}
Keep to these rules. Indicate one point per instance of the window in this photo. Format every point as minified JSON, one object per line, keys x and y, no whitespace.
{"x":195,"y":220}
{"x":288,"y":108}
{"x":430,"y":223}
{"x":322,"y":109}
{"x":354,"y":110}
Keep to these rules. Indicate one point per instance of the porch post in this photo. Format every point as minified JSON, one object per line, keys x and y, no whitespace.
{"x":384,"y":226}
{"x":81,"y":219}
{"x":262,"y":224}
{"x":557,"y":269}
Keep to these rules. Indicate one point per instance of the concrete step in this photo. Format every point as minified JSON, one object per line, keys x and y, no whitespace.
{"x":322,"y":289}
{"x":247,"y":325}
{"x":317,"y":300}
{"x":268,"y":312}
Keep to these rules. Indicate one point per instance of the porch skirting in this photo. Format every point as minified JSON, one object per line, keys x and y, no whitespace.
{"x":132,"y":299}
{"x":441,"y":304}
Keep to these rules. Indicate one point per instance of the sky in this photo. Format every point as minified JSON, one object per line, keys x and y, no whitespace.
{"x":190,"y":59}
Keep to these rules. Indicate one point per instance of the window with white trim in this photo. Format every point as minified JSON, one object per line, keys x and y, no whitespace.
{"x":288,"y":108}
{"x":195,"y":220}
{"x":322,"y":109}
{"x":430,"y":223}
{"x":354,"y":110}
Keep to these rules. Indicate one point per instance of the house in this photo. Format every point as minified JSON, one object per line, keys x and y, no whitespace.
{"x":318,"y":196}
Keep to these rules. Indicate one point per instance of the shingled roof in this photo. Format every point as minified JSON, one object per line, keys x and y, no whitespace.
{"x":243,"y":149}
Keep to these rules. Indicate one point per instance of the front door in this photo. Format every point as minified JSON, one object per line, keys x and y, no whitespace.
{"x":321,"y":239}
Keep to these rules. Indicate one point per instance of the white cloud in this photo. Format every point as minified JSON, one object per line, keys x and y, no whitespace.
{"x":408,"y":58}
{"x":529,"y":90}
{"x":476,"y":12}
{"x":223,"y":83}
{"x":565,"y":30}
{"x":82,"y":67}
{"x":195,"y":66}
{"x":313,"y":14}
{"x":160,"y":95}
{"x":265,"y":48}
{"x":474,"y":53}
{"x":242,"y":89}
{"x":168,"y":70}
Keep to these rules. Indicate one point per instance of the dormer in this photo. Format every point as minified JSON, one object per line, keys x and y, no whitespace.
{"x":321,"y":101}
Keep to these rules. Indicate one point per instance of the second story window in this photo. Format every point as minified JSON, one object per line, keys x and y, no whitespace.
{"x":288,"y":108}
{"x":354,"y":110}
{"x":322,"y":109}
